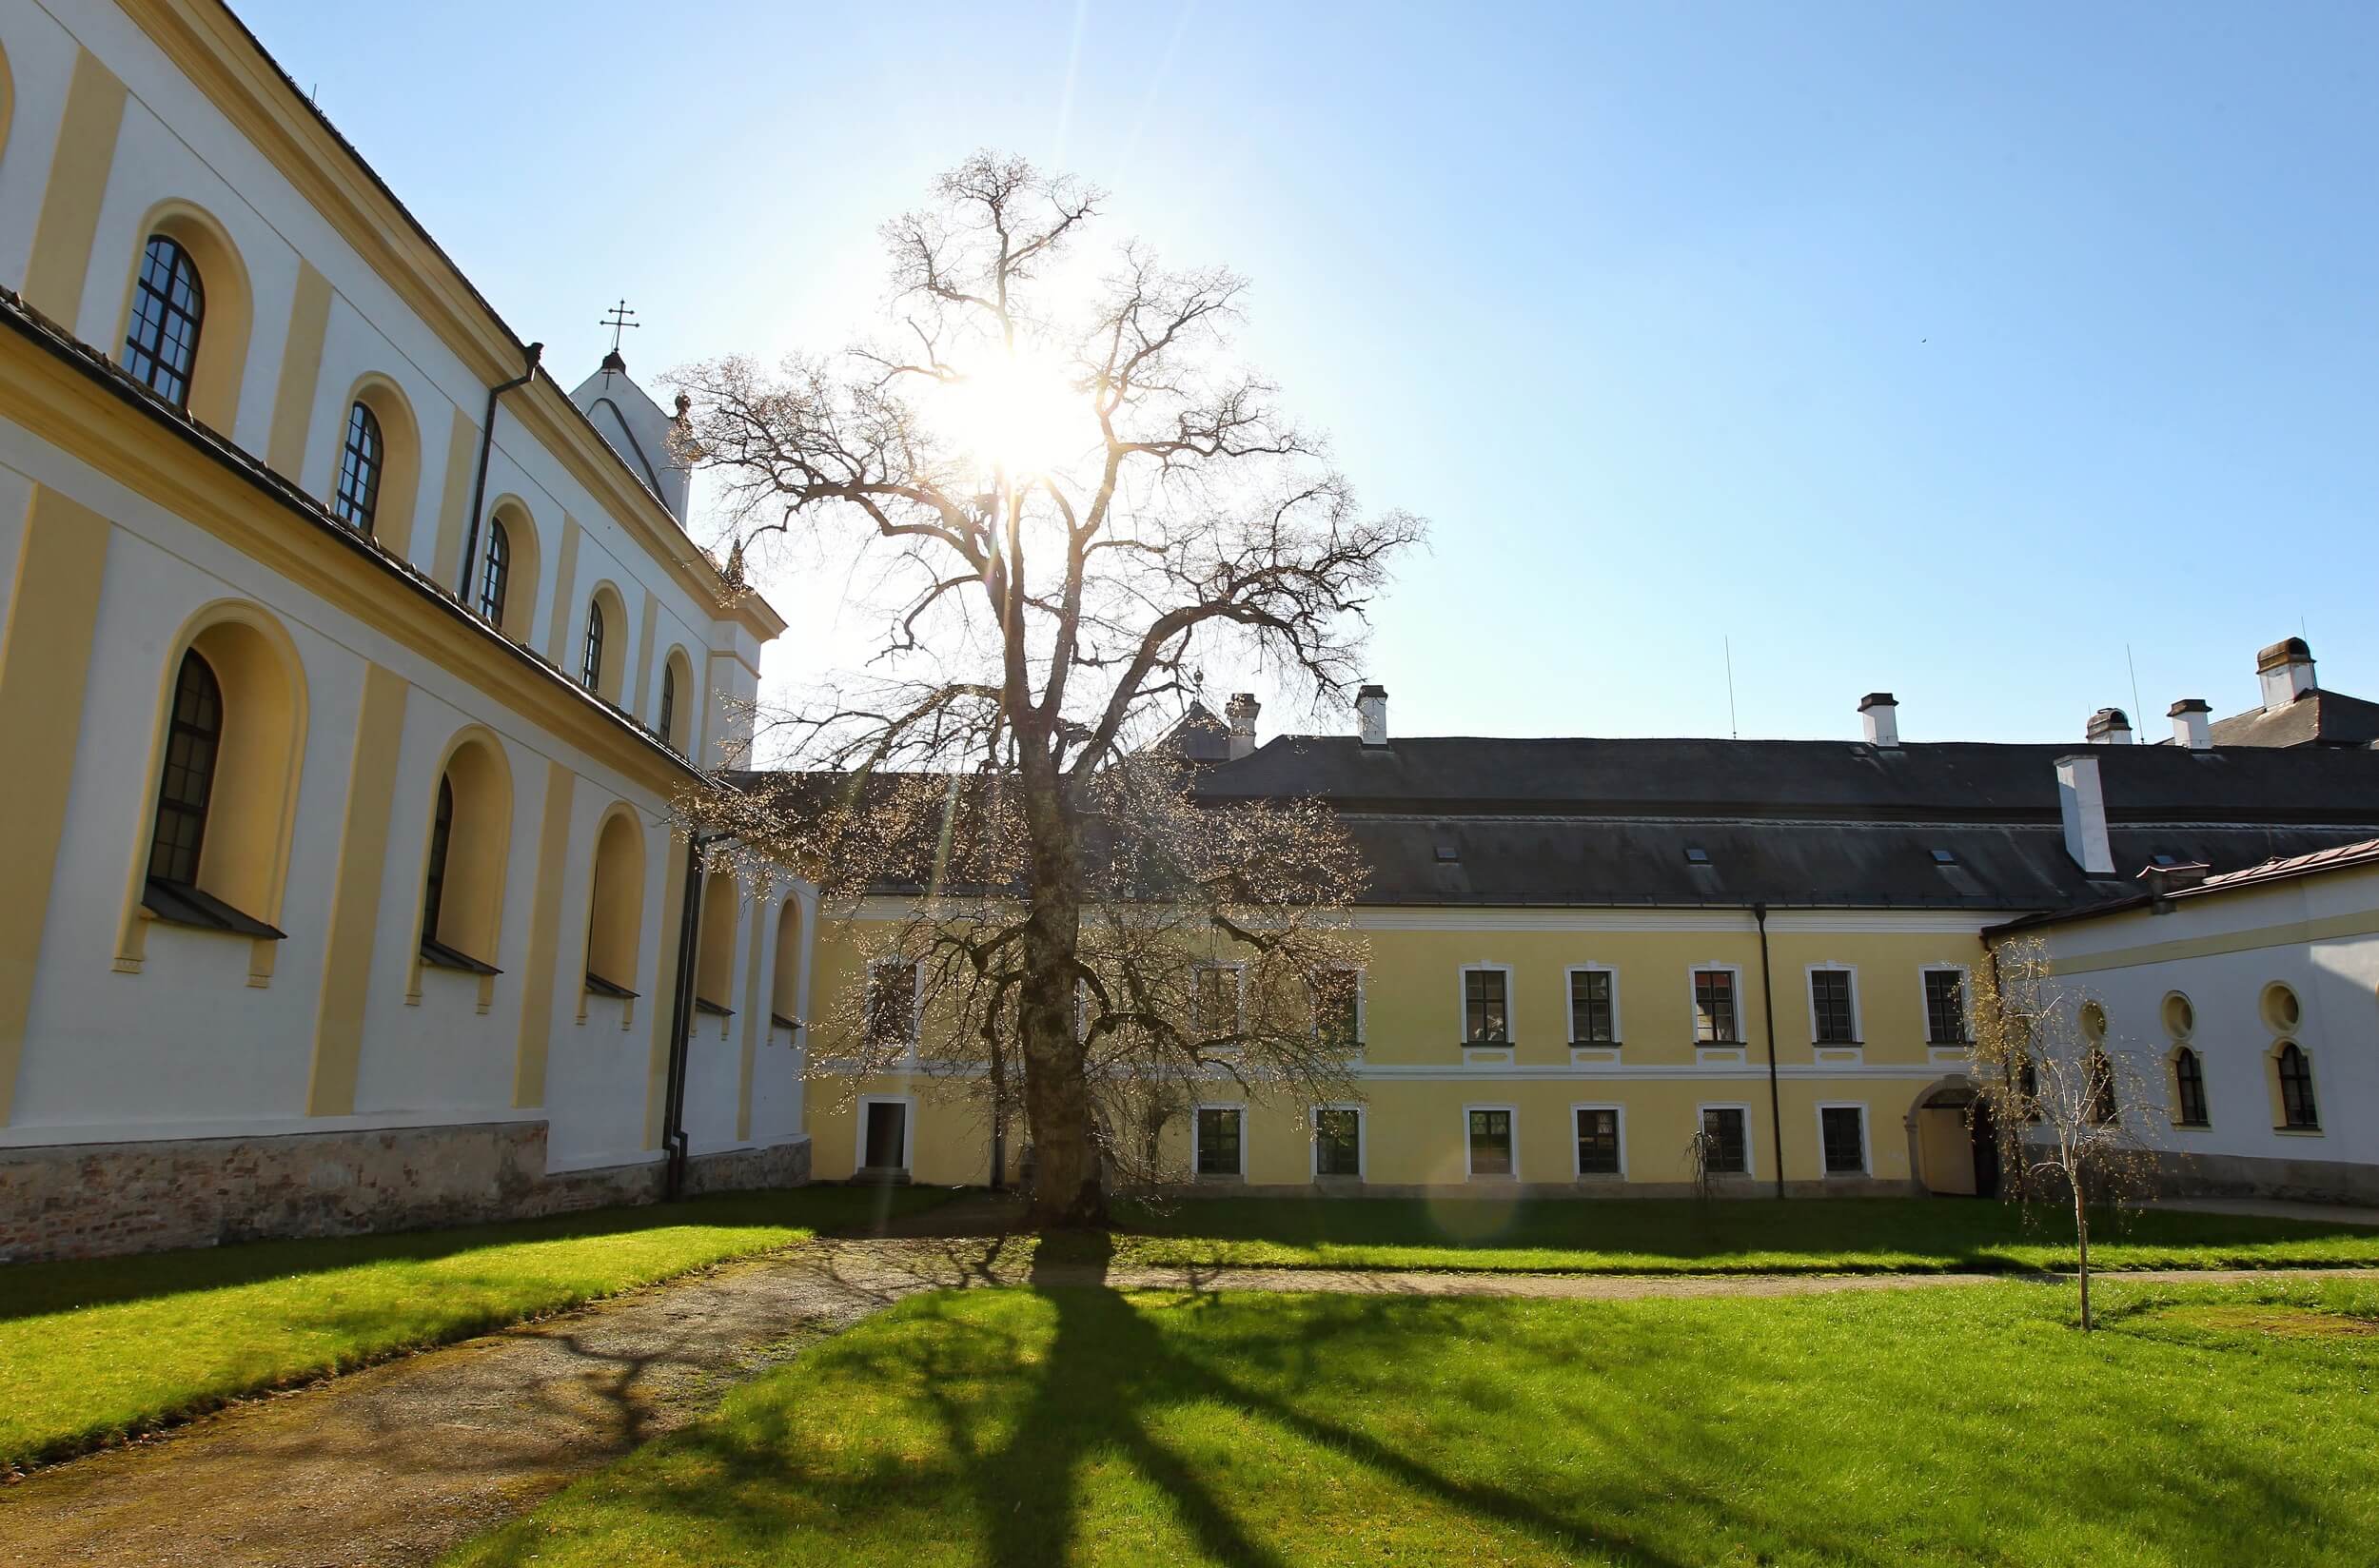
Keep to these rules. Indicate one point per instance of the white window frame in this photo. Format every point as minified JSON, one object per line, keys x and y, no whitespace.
{"x":1751,"y":1143}
{"x":1198,"y":1113}
{"x":1569,"y":1006}
{"x":1314,"y":1144}
{"x":908,"y":1132}
{"x":1513,"y":1175}
{"x":1809,"y":992}
{"x":1238,"y":970}
{"x":1363,"y":1022}
{"x":1934,"y":1049}
{"x":1462,"y":1007}
{"x":1576,"y":1169}
{"x":1866,"y":1138}
{"x":916,"y":996}
{"x":1734,"y":1052}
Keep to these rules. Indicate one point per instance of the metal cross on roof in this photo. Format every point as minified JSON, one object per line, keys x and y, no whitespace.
{"x":619,"y":318}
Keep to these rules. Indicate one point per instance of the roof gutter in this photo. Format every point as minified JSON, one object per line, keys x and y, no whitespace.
{"x":1767,"y":1000}
{"x":529,"y":356}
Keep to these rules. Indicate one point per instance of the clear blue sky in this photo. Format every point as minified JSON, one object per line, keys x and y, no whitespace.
{"x":1939,"y":348}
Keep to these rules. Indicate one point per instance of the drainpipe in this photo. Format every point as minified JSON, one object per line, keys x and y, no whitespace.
{"x":1767,"y":999}
{"x":673,"y":1133}
{"x":486,"y":441}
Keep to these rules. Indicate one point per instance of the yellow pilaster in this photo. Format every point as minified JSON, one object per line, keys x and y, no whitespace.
{"x":301,"y":370}
{"x":355,"y":898}
{"x":59,"y":265}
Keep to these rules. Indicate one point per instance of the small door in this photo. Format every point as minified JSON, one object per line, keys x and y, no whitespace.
{"x":1986,"y":1153}
{"x":887,"y":1136}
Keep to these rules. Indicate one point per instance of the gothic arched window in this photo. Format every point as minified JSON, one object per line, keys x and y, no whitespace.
{"x":359,"y":466}
{"x":2189,"y":1087}
{"x":193,"y":739}
{"x":440,"y":839}
{"x":2296,"y":1089}
{"x":668,"y":704}
{"x":168,"y":306}
{"x":495,"y":574}
{"x":591,"y":667}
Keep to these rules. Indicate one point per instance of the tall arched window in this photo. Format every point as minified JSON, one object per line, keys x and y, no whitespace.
{"x":168,"y":306}
{"x":496,"y":574}
{"x":2297,"y":1110}
{"x":359,"y":467}
{"x":193,"y":737}
{"x":591,"y":667}
{"x":2099,"y":1073}
{"x":440,"y":840}
{"x":669,"y":704}
{"x":2189,"y":1087}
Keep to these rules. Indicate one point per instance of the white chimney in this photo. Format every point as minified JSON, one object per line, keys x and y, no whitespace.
{"x":1241,"y":710}
{"x":2191,"y":727}
{"x":2083,"y":806}
{"x":2286,"y":671}
{"x":2108,"y":727}
{"x":1372,"y":715}
{"x":1880,"y":715}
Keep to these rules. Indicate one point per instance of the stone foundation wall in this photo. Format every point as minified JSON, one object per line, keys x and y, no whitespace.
{"x":2181,"y":1175}
{"x":96,"y":1200}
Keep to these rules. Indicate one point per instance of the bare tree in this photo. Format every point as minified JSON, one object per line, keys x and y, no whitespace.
{"x":1075,"y":500}
{"x":2071,"y":1110}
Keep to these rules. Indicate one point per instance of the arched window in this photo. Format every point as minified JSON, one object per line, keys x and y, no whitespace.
{"x":193,"y":737}
{"x":784,"y":996}
{"x":616,"y":915}
{"x":669,"y":705}
{"x":495,"y":574}
{"x":168,"y":306}
{"x":590,"y":666}
{"x":2101,"y":1073}
{"x":440,"y":839}
{"x":2296,"y":1089}
{"x":2189,"y":1087}
{"x":359,"y":467}
{"x":715,"y":954}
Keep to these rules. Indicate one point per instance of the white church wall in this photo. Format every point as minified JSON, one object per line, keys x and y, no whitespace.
{"x":353,"y":348}
{"x":597,"y":1071}
{"x":40,"y":64}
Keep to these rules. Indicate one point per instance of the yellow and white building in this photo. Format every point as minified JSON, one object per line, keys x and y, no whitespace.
{"x":348,"y":670}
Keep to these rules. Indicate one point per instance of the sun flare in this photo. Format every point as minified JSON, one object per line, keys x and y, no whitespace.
{"x":1017,"y":410}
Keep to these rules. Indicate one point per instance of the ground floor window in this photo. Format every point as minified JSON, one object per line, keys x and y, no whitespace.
{"x":2189,"y":1087}
{"x":1727,"y":1149}
{"x":1490,"y":1143}
{"x":1598,"y":1140}
{"x":1337,"y":1142}
{"x":1843,"y":1130}
{"x":1218,"y":1151}
{"x":2297,"y":1111}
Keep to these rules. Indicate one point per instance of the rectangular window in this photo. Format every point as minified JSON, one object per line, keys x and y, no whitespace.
{"x":1218,"y":1139}
{"x":1337,"y":1015}
{"x":1726,"y":1150}
{"x":1714,"y":1007}
{"x":1945,"y":1007}
{"x":1844,"y":1131}
{"x":892,"y":1002}
{"x":1215,"y":1000}
{"x":1490,"y":1143}
{"x":1337,"y":1142}
{"x":1590,"y":1014}
{"x":1598,"y":1141}
{"x":1829,"y":1001}
{"x":1485,"y":1015}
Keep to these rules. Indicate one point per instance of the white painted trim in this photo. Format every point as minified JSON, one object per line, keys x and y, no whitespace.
{"x":1576,"y":1163}
{"x":1751,"y":1141}
{"x":1445,"y":1073}
{"x":908,"y":1132}
{"x":1196,"y":1114}
{"x":1513,"y":1175}
{"x":1866,"y":1135}
{"x":1711,"y":922}
{"x":1692,"y":1005}
{"x":1570,"y":1005}
{"x":1809,"y":993}
{"x":1314,"y":1144}
{"x":1462,"y":1005}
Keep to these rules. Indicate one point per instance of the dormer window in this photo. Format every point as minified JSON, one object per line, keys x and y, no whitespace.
{"x":1696,"y":855}
{"x":1447,"y":853}
{"x":1945,"y":857}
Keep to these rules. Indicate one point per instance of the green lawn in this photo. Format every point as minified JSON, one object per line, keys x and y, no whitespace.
{"x":2204,"y":1425}
{"x":1807,"y":1236}
{"x":91,"y":1350}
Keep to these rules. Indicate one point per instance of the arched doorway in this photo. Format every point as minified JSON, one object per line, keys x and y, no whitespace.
{"x":1952,"y":1146}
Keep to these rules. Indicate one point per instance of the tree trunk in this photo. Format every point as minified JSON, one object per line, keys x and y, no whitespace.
{"x":2081,"y":1237}
{"x":1065,"y":1186}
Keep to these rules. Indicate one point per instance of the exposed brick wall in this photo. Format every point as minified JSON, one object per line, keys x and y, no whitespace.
{"x":94,"y":1200}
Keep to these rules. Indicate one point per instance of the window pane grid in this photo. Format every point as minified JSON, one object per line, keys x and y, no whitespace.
{"x":1336,"y":1018}
{"x":1338,"y":1143}
{"x":495,"y":574}
{"x":1590,"y":1012}
{"x":169,"y":302}
{"x":2189,"y":1079}
{"x":1724,"y":1152}
{"x":358,"y":497}
{"x":2296,"y":1089}
{"x":1714,"y":1007}
{"x":668,"y":703}
{"x":1945,"y":1007}
{"x":1598,"y":1143}
{"x":1845,"y":1137}
{"x":440,"y":834}
{"x":1829,"y":997}
{"x":590,"y":666}
{"x":192,"y":741}
{"x":1485,"y":1018}
{"x":1218,"y":1141}
{"x":892,"y":1003}
{"x":1490,"y":1143}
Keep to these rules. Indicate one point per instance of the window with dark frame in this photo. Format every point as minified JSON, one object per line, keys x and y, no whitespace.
{"x":193,"y":740}
{"x":1598,"y":1141}
{"x":2189,"y":1087}
{"x":2297,"y":1111}
{"x":892,"y":1002}
{"x":1829,"y":1001}
{"x":1945,"y":1007}
{"x":1714,"y":1007}
{"x":2098,"y":1072}
{"x":1490,"y":1143}
{"x":590,"y":666}
{"x":1485,"y":1011}
{"x":1590,"y":1012}
{"x":1213,"y":1000}
{"x":668,"y":704}
{"x":495,"y":574}
{"x":1338,"y":1142}
{"x":1218,"y":1139}
{"x":1726,"y":1150}
{"x":440,"y":835}
{"x":1843,"y":1131}
{"x":1337,"y":1010}
{"x":357,"y":500}
{"x":169,"y":308}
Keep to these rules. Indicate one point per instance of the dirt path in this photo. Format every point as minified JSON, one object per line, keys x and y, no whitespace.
{"x":401,"y":1462}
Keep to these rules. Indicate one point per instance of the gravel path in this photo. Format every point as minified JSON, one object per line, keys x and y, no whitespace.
{"x":399,"y":1463}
